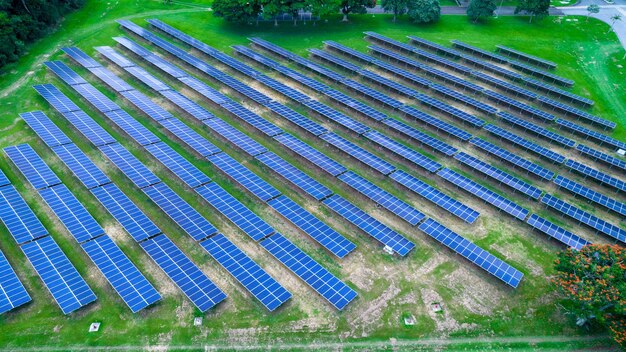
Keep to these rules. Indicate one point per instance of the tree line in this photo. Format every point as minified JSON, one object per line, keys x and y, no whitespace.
{"x":251,"y":11}
{"x":24,"y":21}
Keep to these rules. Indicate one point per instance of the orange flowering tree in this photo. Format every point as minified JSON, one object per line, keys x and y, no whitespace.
{"x":594,"y":281}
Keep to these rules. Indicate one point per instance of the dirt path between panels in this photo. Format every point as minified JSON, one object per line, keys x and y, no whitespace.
{"x":391,"y":344}
{"x":87,"y":31}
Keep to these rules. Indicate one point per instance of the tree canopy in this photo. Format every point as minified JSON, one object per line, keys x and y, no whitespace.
{"x":355,"y":6}
{"x":593,"y":281}
{"x":22,"y":22}
{"x":480,"y":9}
{"x":241,"y":11}
{"x":424,"y":11}
{"x":397,"y":7}
{"x":535,"y":8}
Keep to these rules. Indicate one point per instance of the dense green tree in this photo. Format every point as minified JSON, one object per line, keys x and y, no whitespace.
{"x":593,"y":283}
{"x":534,"y":8}
{"x":424,"y":11}
{"x":239,"y":11}
{"x":397,"y":7}
{"x":479,"y":9}
{"x":22,"y":22}
{"x":323,"y":8}
{"x":355,"y":6}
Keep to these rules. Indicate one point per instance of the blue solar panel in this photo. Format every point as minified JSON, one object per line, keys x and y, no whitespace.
{"x":513,"y":159}
{"x":505,"y":86}
{"x":530,"y":58}
{"x":484,"y":193}
{"x":17,"y":216}
{"x":311,"y":154}
{"x":480,"y":106}
{"x":132,"y":219}
{"x":514,"y":76}
{"x":402,"y":150}
{"x":435,"y":196}
{"x":12,"y":292}
{"x":398,"y":243}
{"x":186,"y":275}
{"x":132,"y":46}
{"x":45,"y":129}
{"x":65,"y":284}
{"x":372,"y":94}
{"x":359,"y":153}
{"x":188,"y":105}
{"x":81,"y":166}
{"x":178,"y":165}
{"x":236,"y":137}
{"x":596,"y":175}
{"x":460,"y":115}
{"x":591,"y":195}
{"x":89,"y":128}
{"x":244,"y":176}
{"x":596,"y":155}
{"x":258,"y":282}
{"x":37,"y":173}
{"x":383,"y":198}
{"x":204,"y":90}
{"x":587,"y":133}
{"x":316,"y":276}
{"x":563,"y":94}
{"x":435,"y":123}
{"x":296,"y":118}
{"x":336,"y":61}
{"x":472,"y":252}
{"x":81,"y":57}
{"x":252,"y":119}
{"x":73,"y":215}
{"x":355,"y":105}
{"x":584,"y":217}
{"x":420,"y":137}
{"x":146,"y":105}
{"x":538,"y":130}
{"x":114,"y":56}
{"x":514,"y":104}
{"x":542,"y":74}
{"x":336,"y":116}
{"x":192,"y":222}
{"x":556,"y":232}
{"x":236,"y":212}
{"x":312,"y":226}
{"x":480,"y":52}
{"x":294,"y":175}
{"x":137,"y":172}
{"x":434,"y":46}
{"x":579,"y":114}
{"x":56,"y":98}
{"x":499,"y":175}
{"x":95,"y":97}
{"x":65,"y":73}
{"x":3,"y":179}
{"x":121,"y":273}
{"x":111,"y":80}
{"x":132,"y":127}
{"x":147,"y":78}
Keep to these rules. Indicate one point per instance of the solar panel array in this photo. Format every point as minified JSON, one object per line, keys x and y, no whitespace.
{"x":538,"y":130}
{"x":557,"y":232}
{"x":587,"y":133}
{"x":591,"y":195}
{"x":18,"y":218}
{"x":525,"y":144}
{"x":530,"y":58}
{"x":12,"y":291}
{"x":499,"y":175}
{"x":472,"y":252}
{"x":577,"y":113}
{"x":583,"y":217}
{"x":484,"y":193}
{"x":596,"y":155}
{"x":137,"y":292}
{"x":596,"y":175}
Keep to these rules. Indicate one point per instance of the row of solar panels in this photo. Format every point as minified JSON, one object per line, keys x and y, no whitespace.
{"x":317,"y":229}
{"x":580,"y":114}
{"x":539,"y":131}
{"x":271,"y":294}
{"x":119,"y":271}
{"x":359,"y":153}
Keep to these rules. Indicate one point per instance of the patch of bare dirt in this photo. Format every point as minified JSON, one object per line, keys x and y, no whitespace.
{"x":444,"y":322}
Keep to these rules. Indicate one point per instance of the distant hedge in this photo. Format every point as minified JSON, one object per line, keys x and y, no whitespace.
{"x":24,"y":21}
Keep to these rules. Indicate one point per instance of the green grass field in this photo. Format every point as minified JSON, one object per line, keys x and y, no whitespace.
{"x":475,"y":305}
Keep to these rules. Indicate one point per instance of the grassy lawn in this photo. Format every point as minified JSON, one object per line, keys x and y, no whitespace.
{"x":586,"y":55}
